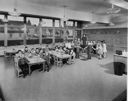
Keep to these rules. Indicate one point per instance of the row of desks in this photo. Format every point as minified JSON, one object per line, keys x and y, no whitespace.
{"x":37,"y":60}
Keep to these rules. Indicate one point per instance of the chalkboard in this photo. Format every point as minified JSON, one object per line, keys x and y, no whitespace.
{"x":1,"y":42}
{"x":47,"y":41}
{"x":14,"y":42}
{"x":59,"y":40}
{"x":32,"y":41}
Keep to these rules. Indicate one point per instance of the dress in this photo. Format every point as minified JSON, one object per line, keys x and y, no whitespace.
{"x":99,"y":49}
{"x":104,"y":48}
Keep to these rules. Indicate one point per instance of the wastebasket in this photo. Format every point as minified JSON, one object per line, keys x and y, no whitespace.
{"x":119,"y":68}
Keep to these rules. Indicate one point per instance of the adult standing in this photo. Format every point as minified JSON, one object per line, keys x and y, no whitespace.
{"x":84,"y":40}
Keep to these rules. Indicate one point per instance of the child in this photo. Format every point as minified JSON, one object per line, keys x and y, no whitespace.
{"x":72,"y":53}
{"x":89,"y":50}
{"x":99,"y":50}
{"x":104,"y":48}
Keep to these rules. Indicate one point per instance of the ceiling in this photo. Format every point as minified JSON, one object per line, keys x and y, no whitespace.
{"x":95,"y":6}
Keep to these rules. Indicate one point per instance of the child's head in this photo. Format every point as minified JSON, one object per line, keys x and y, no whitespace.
{"x":20,"y":52}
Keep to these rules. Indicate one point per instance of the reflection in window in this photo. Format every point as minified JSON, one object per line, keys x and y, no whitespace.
{"x":47,"y":23}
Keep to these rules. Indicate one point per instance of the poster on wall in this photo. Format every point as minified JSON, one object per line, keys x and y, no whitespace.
{"x":47,"y":32}
{"x":32,"y":32}
{"x":69,"y":33}
{"x":15,"y":32}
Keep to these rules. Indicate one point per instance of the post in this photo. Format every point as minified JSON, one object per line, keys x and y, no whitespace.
{"x":25,"y":31}
{"x":6,"y":31}
{"x":40,"y":31}
{"x":53,"y":37}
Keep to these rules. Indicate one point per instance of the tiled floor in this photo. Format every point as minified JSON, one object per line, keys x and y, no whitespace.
{"x":91,"y":80}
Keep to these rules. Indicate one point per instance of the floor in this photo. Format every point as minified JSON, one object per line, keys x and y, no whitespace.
{"x":85,"y":80}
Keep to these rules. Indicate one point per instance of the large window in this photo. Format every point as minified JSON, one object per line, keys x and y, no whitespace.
{"x":32,"y":36}
{"x":15,"y":31}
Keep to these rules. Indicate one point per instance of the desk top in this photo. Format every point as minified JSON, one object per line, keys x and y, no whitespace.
{"x":59,"y":55}
{"x":35,"y":60}
{"x":124,"y":56}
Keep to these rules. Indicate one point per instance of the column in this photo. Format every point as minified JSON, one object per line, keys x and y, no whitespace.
{"x":40,"y":31}
{"x":73,"y":23}
{"x":53,"y":22}
{"x":25,"y":31}
{"x":6,"y":31}
{"x":53,"y":41}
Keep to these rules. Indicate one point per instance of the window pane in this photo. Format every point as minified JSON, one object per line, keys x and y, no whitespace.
{"x":47,"y":22}
{"x":15,"y":18}
{"x":56,"y":23}
{"x":69,"y":23}
{"x":1,"y":19}
{"x":32,"y":21}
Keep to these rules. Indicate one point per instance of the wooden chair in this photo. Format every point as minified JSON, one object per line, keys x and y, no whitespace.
{"x":17,"y":69}
{"x":57,"y":61}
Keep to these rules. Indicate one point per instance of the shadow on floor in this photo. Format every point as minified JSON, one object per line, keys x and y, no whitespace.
{"x":108,"y":68}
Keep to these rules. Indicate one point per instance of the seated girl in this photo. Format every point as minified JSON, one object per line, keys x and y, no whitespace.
{"x":72,"y":53}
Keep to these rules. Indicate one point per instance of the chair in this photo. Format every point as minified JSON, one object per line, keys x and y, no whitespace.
{"x":57,"y":61}
{"x":17,"y":69}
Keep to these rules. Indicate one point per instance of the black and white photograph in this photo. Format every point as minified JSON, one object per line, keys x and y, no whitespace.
{"x":63,"y":50}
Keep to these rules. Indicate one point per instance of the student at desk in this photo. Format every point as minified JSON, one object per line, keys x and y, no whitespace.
{"x":56,"y":48}
{"x":44,"y":54}
{"x":37,"y":52}
{"x":22,"y":62}
{"x":26,"y":51}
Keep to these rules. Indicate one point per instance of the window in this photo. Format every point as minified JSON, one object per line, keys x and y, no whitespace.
{"x":12,"y":18}
{"x":57,"y":23}
{"x":69,"y":23}
{"x":1,"y":19}
{"x":32,"y":21}
{"x":47,"y":23}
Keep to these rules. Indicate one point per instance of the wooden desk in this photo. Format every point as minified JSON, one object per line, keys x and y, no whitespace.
{"x":59,"y":55}
{"x":122,"y":59}
{"x":10,"y":53}
{"x":35,"y":60}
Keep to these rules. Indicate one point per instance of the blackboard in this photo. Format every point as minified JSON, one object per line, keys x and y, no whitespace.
{"x":47,"y":41}
{"x":32,"y":41}
{"x":59,"y":40}
{"x":14,"y":42}
{"x":1,"y":42}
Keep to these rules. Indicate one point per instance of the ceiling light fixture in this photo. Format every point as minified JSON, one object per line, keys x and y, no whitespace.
{"x":113,"y":10}
{"x":15,"y":12}
{"x":65,"y":18}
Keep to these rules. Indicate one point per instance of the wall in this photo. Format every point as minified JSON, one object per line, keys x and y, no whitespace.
{"x":116,"y":38}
